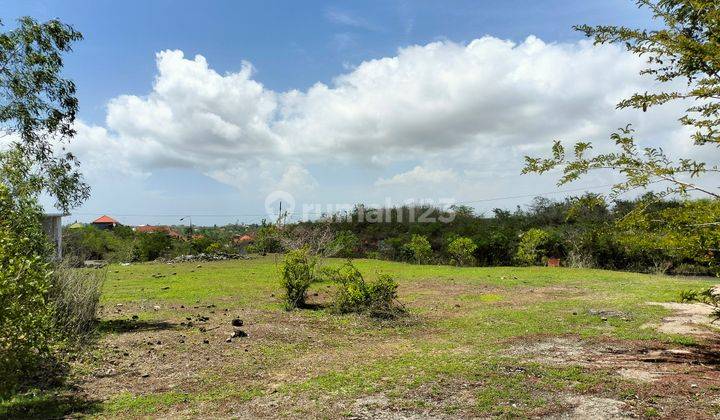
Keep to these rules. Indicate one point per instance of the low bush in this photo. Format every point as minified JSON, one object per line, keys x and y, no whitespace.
{"x":355,"y":295}
{"x":461,"y":251}
{"x":420,"y":249}
{"x":150,"y":246}
{"x":297,"y":273}
{"x":75,"y":294}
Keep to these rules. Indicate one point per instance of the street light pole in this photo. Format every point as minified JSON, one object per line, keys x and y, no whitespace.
{"x":190,"y":221}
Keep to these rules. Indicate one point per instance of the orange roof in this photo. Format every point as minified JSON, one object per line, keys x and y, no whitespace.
{"x":151,"y":229}
{"x":105,"y":219}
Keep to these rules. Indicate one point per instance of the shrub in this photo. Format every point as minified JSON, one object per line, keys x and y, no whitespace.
{"x":355,"y":295}
{"x":420,"y":249}
{"x":150,"y":246}
{"x":297,"y":273}
{"x":75,"y":295}
{"x":213,"y":248}
{"x":267,"y":240}
{"x":536,"y":245}
{"x":26,"y":316}
{"x":344,"y":245}
{"x":461,"y":251}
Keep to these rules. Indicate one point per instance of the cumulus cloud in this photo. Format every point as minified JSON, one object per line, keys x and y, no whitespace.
{"x":419,"y":176}
{"x":458,"y":105}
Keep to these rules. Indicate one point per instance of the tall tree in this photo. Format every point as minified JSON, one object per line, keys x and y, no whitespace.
{"x":687,"y":48}
{"x":37,"y":112}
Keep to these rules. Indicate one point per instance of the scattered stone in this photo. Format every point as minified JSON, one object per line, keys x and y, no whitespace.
{"x":239,"y":333}
{"x":165,"y":288}
{"x":605,"y":314}
{"x":135,"y":317}
{"x":203,"y":257}
{"x":228,"y":340}
{"x":94,"y":264}
{"x":206,"y":341}
{"x":145,"y":375}
{"x":237,"y":322}
{"x":156,"y":307}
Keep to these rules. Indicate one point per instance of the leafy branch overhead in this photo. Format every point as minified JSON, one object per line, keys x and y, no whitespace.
{"x":687,"y":48}
{"x":38,"y":108}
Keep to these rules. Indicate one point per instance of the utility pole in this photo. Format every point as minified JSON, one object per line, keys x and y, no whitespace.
{"x":190,"y":221}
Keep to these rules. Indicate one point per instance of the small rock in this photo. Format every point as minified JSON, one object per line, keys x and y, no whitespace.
{"x":206,"y":341}
{"x":239,"y":333}
{"x":228,"y":340}
{"x":165,"y":288}
{"x":144,"y":375}
{"x":237,"y":322}
{"x":156,"y":307}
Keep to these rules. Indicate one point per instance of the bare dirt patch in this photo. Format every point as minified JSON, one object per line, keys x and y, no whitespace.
{"x":667,"y":377}
{"x":586,"y":407}
{"x":687,"y":318}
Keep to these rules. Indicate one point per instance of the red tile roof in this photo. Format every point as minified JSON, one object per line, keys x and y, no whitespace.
{"x":163,"y":229}
{"x":106,"y":219}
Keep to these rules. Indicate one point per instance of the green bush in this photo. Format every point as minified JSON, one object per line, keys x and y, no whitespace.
{"x":297,"y":273}
{"x":267,"y":240}
{"x":344,"y":245}
{"x":355,"y":295}
{"x":26,"y":316}
{"x":536,"y":245}
{"x":420,"y":249}
{"x":75,"y":295}
{"x":150,"y":246}
{"x":462,"y":251}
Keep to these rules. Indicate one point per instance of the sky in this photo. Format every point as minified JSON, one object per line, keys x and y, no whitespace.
{"x":220,"y":109}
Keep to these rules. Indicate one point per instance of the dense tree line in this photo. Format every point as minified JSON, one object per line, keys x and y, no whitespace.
{"x":647,"y":234}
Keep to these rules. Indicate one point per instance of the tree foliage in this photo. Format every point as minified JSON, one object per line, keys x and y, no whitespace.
{"x":37,"y":111}
{"x":461,"y":251}
{"x":26,"y":315}
{"x":420,"y":249}
{"x":686,"y":49}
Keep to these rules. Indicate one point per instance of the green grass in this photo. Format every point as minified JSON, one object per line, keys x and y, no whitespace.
{"x":463,"y":321}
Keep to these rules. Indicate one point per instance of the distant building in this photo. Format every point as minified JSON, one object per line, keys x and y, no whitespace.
{"x":242,"y":239}
{"x":156,"y":229}
{"x":105,"y":222}
{"x":52,"y":225}
{"x":76,"y":225}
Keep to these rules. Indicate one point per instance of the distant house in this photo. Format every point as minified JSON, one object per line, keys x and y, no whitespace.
{"x":52,"y":225}
{"x":76,"y":225}
{"x":242,"y":239}
{"x":105,"y":222}
{"x":156,"y":229}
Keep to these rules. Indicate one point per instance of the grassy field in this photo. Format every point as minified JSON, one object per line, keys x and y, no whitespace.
{"x":477,"y":342}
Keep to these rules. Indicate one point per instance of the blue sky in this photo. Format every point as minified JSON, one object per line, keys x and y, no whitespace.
{"x":293,"y":46}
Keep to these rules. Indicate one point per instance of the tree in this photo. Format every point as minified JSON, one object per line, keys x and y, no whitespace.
{"x":37,"y":112}
{"x":687,"y":48}
{"x":461,"y":250}
{"x":420,"y":249}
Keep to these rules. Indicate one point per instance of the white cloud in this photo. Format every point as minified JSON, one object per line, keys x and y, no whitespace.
{"x":346,"y":18}
{"x":419,"y":176}
{"x":478,"y":106}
